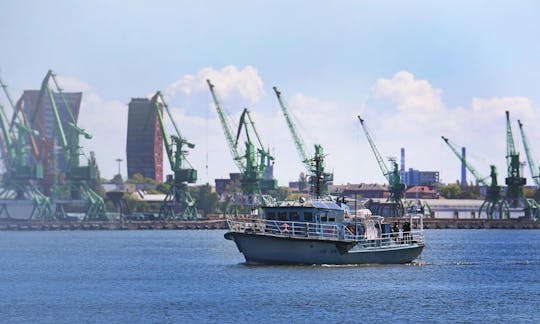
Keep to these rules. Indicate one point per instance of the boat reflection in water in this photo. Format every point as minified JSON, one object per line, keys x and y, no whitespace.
{"x":325,"y":232}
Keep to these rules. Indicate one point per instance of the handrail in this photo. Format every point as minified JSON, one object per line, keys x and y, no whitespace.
{"x":345,"y":232}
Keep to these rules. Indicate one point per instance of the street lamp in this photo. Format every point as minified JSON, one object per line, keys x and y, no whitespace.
{"x":119,"y":161}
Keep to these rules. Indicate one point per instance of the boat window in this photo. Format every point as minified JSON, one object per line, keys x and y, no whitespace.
{"x":323,"y":218}
{"x":270,"y":215}
{"x":331,"y":219}
{"x":294,"y":216}
{"x":308,"y":216}
{"x":282,"y":216}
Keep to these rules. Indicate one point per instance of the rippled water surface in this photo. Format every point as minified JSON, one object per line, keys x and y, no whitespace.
{"x":198,"y":276}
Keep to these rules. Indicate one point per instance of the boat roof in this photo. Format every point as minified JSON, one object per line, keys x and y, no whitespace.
{"x":321,"y":204}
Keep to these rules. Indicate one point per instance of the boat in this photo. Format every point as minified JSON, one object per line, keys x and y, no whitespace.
{"x":325,"y":232}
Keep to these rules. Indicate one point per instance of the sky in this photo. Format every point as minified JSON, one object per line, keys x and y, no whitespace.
{"x":414,"y":71}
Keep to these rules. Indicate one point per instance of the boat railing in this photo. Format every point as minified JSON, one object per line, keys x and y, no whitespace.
{"x":325,"y":231}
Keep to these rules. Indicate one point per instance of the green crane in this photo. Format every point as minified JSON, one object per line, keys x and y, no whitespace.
{"x":396,"y":187}
{"x":252,"y":162}
{"x":479,"y":179}
{"x":76,"y":185}
{"x":318,"y":177}
{"x":22,"y":177}
{"x":493,"y":204}
{"x":530,"y":160}
{"x":256,"y":159}
{"x":514,"y":180}
{"x":178,"y":198}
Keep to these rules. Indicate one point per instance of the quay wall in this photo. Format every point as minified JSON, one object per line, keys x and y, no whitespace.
{"x":452,"y":223}
{"x":429,"y":223}
{"x":35,"y":225}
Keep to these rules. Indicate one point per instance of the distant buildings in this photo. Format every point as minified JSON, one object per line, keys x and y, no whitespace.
{"x":42,"y":118}
{"x":144,"y":148}
{"x":419,"y":178}
{"x":358,"y":191}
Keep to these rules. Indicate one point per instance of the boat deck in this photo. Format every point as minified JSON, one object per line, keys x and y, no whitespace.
{"x":343,"y":232}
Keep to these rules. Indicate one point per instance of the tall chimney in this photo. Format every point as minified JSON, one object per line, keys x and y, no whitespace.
{"x":402,"y":166}
{"x":463,"y":168}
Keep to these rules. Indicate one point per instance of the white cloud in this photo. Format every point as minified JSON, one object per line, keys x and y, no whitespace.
{"x":72,"y":84}
{"x":229,"y":81}
{"x":106,"y":120}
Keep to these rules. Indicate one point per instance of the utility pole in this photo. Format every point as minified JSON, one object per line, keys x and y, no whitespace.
{"x":119,"y":161}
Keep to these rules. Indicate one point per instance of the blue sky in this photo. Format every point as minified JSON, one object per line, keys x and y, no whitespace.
{"x":415,"y":70}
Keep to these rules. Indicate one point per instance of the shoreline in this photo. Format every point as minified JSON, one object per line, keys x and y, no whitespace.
{"x":221,"y":224}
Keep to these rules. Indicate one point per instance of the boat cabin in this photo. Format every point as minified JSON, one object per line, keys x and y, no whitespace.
{"x":309,"y":212}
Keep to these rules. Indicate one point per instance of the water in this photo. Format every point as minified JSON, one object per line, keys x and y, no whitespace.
{"x":198,"y":276}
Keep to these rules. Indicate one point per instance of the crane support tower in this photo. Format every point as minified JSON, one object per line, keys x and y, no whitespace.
{"x":73,"y":187}
{"x":21,"y":180}
{"x":494,"y":205}
{"x":535,"y":175}
{"x":252,"y":161}
{"x":396,"y":187}
{"x":315,"y":166}
{"x":178,"y":203}
{"x":514,"y":181}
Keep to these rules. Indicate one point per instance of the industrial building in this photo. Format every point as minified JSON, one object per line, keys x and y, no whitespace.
{"x":144,"y":148}
{"x":414,"y":177}
{"x":42,"y":118}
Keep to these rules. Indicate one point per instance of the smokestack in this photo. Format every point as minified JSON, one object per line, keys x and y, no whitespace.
{"x":402,"y":166}
{"x":463,"y":168}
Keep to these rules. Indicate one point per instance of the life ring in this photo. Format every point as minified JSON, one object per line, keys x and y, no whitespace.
{"x":285,"y":228}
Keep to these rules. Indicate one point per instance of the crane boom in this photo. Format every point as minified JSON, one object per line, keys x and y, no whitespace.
{"x":8,"y":154}
{"x":510,"y":147}
{"x":17,"y":121}
{"x":298,"y":142}
{"x":227,"y":129}
{"x":11,"y":103}
{"x":472,"y":170}
{"x":532,"y":166}
{"x":378,"y":157}
{"x":157,"y":102}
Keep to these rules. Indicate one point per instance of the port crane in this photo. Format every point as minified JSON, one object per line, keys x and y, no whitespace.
{"x":514,"y":181}
{"x":396,"y":187}
{"x":315,"y":166}
{"x":494,"y":204}
{"x":530,"y":160}
{"x":252,"y":161}
{"x":178,"y":198}
{"x":73,"y":187}
{"x":20,"y":182}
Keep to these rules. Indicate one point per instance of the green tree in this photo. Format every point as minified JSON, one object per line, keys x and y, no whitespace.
{"x":140,"y":179}
{"x":281,"y":193}
{"x":164,"y":187}
{"x":95,"y":184}
{"x":117,"y":179}
{"x":450,"y":191}
{"x":206,"y":199}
